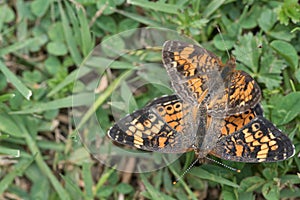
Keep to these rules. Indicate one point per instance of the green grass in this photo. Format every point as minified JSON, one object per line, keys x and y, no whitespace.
{"x":51,"y":67}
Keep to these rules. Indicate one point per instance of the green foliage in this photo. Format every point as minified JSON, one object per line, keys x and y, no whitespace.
{"x":45,"y":54}
{"x":289,"y":11}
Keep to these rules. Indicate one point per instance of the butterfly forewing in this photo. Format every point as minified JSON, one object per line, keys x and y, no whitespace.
{"x":197,"y":76}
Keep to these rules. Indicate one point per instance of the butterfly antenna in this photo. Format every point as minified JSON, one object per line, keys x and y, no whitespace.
{"x":223,"y":41}
{"x":188,"y":169}
{"x":222,"y":164}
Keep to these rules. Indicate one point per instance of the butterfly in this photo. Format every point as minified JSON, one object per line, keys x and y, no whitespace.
{"x":215,"y":110}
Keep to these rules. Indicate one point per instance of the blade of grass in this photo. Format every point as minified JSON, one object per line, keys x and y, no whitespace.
{"x":139,"y":18}
{"x":17,"y":46}
{"x":88,"y":181}
{"x":10,"y":152}
{"x":42,"y":144}
{"x":81,"y":99}
{"x":103,"y":179}
{"x":19,"y":169}
{"x":69,"y":79}
{"x":2,"y":18}
{"x":8,"y":125}
{"x":201,"y":173}
{"x":155,"y":194}
{"x":86,"y":39}
{"x":6,"y":97}
{"x":71,"y":42}
{"x":99,"y":63}
{"x":185,"y":186}
{"x":103,"y":97}
{"x":212,"y":7}
{"x":73,"y":185}
{"x":11,"y":77}
{"x":157,"y":6}
{"x":39,"y":159}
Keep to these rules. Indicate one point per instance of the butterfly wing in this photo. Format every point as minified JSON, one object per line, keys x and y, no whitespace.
{"x":258,"y":141}
{"x":189,"y":67}
{"x":221,"y":127}
{"x":169,"y":125}
{"x":236,"y":122}
{"x":241,"y":93}
{"x":165,"y":125}
{"x":198,"y":76}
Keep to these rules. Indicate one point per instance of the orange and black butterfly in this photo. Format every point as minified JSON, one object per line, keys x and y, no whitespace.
{"x":215,"y":111}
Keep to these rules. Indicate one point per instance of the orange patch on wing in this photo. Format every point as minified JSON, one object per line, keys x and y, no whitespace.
{"x":239,"y":150}
{"x":162,"y":141}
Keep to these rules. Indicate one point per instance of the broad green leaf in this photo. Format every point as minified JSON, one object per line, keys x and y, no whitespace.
{"x":124,"y":188}
{"x":229,"y":193}
{"x":107,"y":7}
{"x":287,"y":108}
{"x":248,"y":53}
{"x":270,"y":190}
{"x":270,"y":70}
{"x":249,"y":19}
{"x":108,"y":24}
{"x":287,"y":51}
{"x":39,"y":7}
{"x":250,"y":184}
{"x":105,"y":191}
{"x":289,"y":11}
{"x":54,"y":32}
{"x":223,"y":43}
{"x":270,"y":173}
{"x":52,"y":64}
{"x":267,"y":19}
{"x":281,"y":32}
{"x":297,"y":74}
{"x":32,"y":77}
{"x":290,"y":193}
{"x":127,"y":24}
{"x":57,"y":48}
{"x":290,"y":179}
{"x":7,"y":14}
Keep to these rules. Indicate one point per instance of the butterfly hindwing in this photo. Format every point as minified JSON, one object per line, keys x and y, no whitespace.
{"x":258,"y":141}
